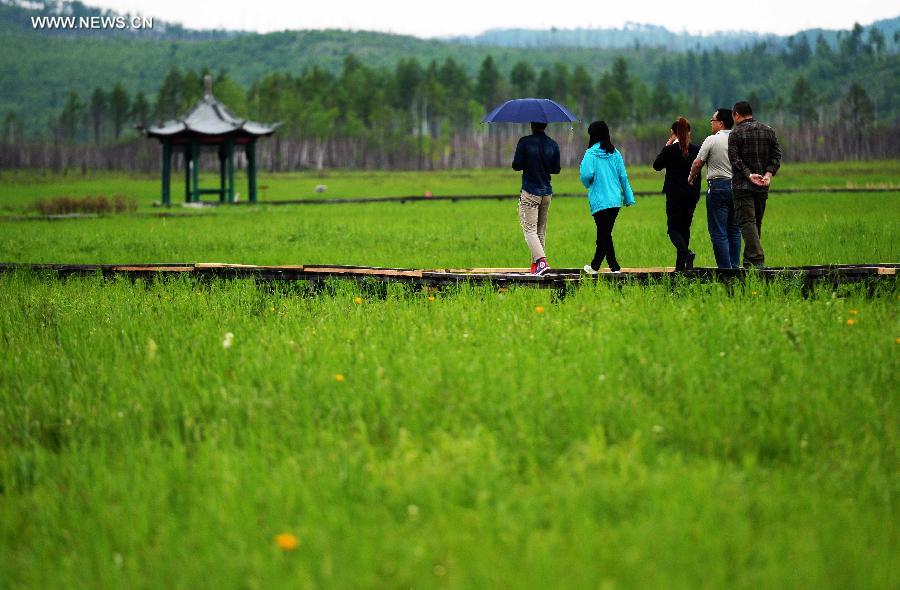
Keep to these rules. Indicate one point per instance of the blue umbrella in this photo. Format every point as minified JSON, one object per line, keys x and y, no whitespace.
{"x":528,"y":110}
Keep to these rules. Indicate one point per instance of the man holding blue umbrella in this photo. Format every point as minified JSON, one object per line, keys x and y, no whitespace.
{"x":537,"y":157}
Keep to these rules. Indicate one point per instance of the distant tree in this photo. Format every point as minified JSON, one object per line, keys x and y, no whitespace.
{"x":489,"y":86}
{"x":545,"y":87}
{"x":876,"y":42}
{"x":99,"y":108}
{"x":852,"y":44}
{"x":140,"y":110}
{"x":662,"y":105}
{"x":71,"y":116}
{"x":119,"y":106}
{"x":452,"y":75}
{"x":622,"y":80}
{"x":857,"y":108}
{"x":560,"y":83}
{"x":803,"y":102}
{"x":755,"y":102}
{"x":191,"y":90}
{"x":581,"y":88}
{"x":798,"y":50}
{"x":613,"y":109}
{"x":13,"y":128}
{"x":408,"y":77}
{"x":857,"y":113}
{"x":168,"y":99}
{"x":229,"y":93}
{"x":823,"y":49}
{"x":522,"y":79}
{"x":454,"y":79}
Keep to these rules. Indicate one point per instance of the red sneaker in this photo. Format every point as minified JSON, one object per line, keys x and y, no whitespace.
{"x":541,"y":267}
{"x":533,"y":267}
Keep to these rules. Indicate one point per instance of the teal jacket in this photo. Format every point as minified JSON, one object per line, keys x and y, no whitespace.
{"x":604,"y":176}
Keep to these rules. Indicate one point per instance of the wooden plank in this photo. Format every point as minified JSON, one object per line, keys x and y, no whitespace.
{"x":480,"y":270}
{"x":223,"y":265}
{"x":556,"y":278}
{"x":363,"y":271}
{"x":152,"y":268}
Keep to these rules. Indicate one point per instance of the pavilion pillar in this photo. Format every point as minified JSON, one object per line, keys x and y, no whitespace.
{"x":195,"y":171}
{"x":250,"y":149}
{"x":222,"y":173}
{"x":187,"y":173}
{"x":166,"y":170}
{"x":229,"y":147}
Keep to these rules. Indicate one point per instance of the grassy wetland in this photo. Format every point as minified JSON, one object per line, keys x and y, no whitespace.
{"x":180,"y":433}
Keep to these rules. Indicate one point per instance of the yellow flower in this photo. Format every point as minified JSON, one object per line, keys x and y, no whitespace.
{"x":287,"y":541}
{"x":851,"y":321}
{"x":539,"y":309}
{"x":854,"y":311}
{"x":339,"y":377}
{"x":431,"y":298}
{"x":897,"y":340}
{"x":754,"y":293}
{"x":358,"y":301}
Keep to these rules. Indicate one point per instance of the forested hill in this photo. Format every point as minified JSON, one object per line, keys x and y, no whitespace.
{"x":48,"y":78}
{"x":642,"y":35}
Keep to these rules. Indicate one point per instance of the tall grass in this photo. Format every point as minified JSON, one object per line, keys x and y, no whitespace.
{"x":797,"y":230}
{"x":672,"y":435}
{"x":97,"y":204}
{"x":19,"y":188}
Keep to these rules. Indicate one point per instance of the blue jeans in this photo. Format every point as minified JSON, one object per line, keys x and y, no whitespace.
{"x":723,"y":228}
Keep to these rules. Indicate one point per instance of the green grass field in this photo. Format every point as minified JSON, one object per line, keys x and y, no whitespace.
{"x":20,"y":188}
{"x":671,"y":435}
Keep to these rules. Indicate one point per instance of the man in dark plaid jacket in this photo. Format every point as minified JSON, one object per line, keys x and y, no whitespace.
{"x":755,"y":158}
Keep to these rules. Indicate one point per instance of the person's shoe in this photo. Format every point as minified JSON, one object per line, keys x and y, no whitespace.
{"x":616,"y":272}
{"x":689,"y":263}
{"x":541,"y":267}
{"x":533,"y":267}
{"x":589,"y":270}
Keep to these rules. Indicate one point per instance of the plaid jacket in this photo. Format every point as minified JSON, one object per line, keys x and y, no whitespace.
{"x":752,"y":149}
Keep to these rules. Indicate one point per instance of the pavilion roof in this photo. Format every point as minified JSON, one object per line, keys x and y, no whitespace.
{"x":209,"y":117}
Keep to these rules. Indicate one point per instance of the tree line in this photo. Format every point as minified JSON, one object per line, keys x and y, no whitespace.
{"x":412,"y":114}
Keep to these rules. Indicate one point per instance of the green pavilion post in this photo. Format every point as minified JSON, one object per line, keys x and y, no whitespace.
{"x":195,"y":170}
{"x":229,"y":164}
{"x":187,"y":173}
{"x":251,"y":170}
{"x":208,"y":123}
{"x":166,"y":171}
{"x":222,"y":173}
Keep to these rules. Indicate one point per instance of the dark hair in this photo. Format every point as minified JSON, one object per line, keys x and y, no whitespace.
{"x":535,"y":126}
{"x":743,"y":108}
{"x":598,"y":132}
{"x":680,"y":128}
{"x":723,"y":114}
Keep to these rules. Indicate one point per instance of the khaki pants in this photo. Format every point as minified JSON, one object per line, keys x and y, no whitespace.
{"x":533,"y":218}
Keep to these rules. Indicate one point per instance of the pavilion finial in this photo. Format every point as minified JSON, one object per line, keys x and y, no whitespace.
{"x":207,"y":85}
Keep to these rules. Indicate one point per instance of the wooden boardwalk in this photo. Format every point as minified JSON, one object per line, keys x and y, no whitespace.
{"x":501,"y":277}
{"x":501,"y":197}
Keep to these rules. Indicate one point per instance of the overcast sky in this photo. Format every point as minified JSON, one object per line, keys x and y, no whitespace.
{"x":430,"y":18}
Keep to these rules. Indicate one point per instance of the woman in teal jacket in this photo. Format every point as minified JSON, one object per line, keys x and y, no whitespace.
{"x":603,"y":174}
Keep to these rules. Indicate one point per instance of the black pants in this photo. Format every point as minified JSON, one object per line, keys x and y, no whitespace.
{"x":749,"y":208}
{"x":679,"y":214}
{"x":605,"y":219}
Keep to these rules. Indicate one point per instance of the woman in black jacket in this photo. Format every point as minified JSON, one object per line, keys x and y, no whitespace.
{"x":681,"y":198}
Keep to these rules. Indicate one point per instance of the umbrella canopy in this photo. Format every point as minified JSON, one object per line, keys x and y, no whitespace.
{"x":530,"y":110}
